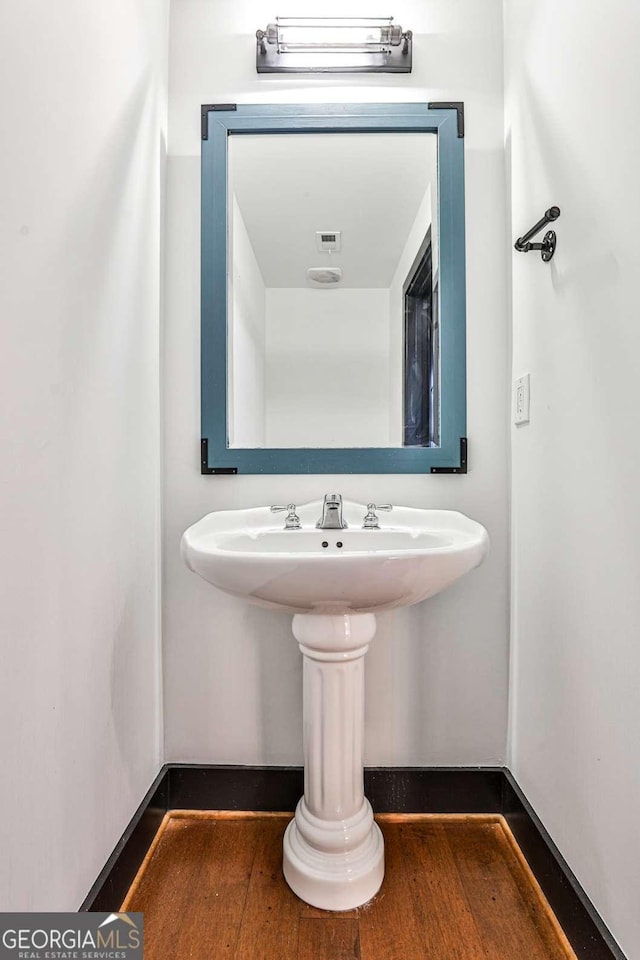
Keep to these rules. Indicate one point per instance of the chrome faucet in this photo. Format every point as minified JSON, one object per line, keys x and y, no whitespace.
{"x":331,"y":518}
{"x":292,"y":520}
{"x":371,"y":521}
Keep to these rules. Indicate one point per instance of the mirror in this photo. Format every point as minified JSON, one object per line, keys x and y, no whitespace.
{"x":332,"y":307}
{"x":333,"y":288}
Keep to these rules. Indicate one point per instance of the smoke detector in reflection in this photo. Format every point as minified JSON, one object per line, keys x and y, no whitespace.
{"x":324,"y":276}
{"x":329,"y":241}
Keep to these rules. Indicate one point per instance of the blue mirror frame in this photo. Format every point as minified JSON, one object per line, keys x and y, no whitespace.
{"x":219,"y":122}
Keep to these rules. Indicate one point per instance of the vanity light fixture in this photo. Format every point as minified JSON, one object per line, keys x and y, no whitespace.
{"x":333,"y":45}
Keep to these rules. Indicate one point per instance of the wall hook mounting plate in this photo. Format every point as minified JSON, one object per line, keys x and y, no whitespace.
{"x":548,"y":245}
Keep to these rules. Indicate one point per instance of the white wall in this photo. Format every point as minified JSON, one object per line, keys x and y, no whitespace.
{"x":437,"y":673}
{"x":246,"y":400}
{"x":327,"y":367}
{"x":573,"y":138}
{"x":82,"y":89}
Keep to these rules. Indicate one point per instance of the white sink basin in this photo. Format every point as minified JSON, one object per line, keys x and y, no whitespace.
{"x":334,"y":581}
{"x":414,"y":555}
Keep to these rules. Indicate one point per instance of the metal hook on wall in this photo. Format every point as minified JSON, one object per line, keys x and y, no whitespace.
{"x":548,"y":246}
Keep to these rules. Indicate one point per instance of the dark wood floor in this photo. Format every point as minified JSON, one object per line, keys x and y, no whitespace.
{"x":455,"y":888}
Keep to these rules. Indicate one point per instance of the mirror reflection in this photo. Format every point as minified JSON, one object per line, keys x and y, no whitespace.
{"x":333,"y":326}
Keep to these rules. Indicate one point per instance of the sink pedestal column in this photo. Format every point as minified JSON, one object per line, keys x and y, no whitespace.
{"x":333,"y":849}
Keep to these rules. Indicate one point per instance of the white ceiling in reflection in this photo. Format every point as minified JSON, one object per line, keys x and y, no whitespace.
{"x":368,"y":186}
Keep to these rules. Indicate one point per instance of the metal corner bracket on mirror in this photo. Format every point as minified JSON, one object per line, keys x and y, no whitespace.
{"x":333,"y":301}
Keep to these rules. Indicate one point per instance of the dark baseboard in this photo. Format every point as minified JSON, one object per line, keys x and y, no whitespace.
{"x":115,"y":878}
{"x":197,"y":787}
{"x":583,"y":925}
{"x":434,"y":789}
{"x":391,"y":790}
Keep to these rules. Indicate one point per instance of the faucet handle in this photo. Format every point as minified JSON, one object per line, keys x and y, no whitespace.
{"x":292,"y":520}
{"x":371,"y":519}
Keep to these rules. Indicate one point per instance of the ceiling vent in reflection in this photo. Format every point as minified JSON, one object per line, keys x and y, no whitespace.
{"x":324,"y":276}
{"x":329,"y":241}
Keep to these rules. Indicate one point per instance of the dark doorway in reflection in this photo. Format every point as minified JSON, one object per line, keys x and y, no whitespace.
{"x":421,"y":367}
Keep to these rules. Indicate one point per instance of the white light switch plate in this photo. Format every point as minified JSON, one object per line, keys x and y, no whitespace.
{"x":521,"y":393}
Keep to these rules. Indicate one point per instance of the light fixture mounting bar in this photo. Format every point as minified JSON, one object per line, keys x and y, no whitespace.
{"x":333,"y":45}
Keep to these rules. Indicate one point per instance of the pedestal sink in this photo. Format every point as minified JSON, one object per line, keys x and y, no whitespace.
{"x":334,"y":581}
